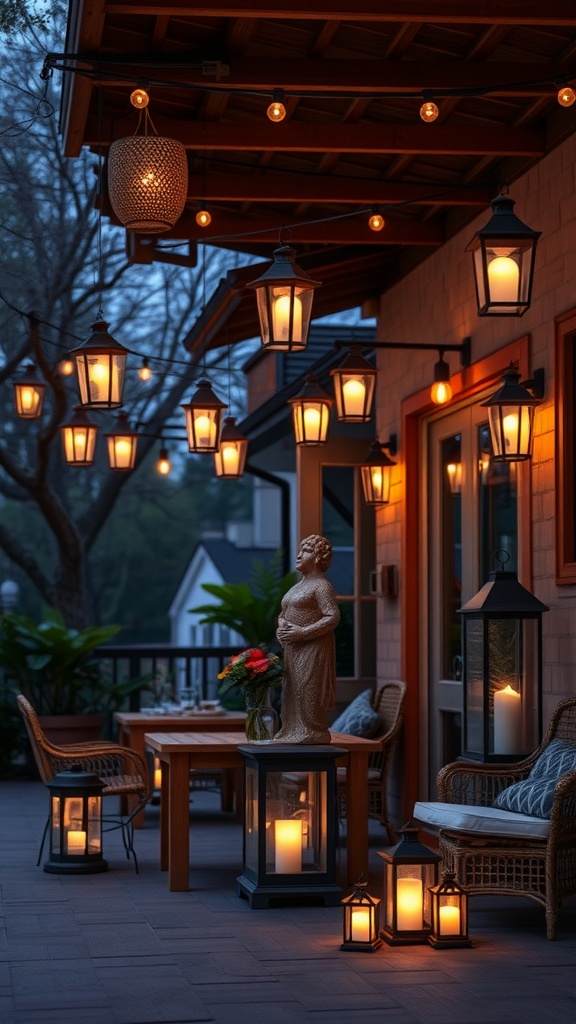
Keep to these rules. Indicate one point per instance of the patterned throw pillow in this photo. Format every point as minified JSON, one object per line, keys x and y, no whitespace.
{"x":535,"y":794}
{"x":359,"y":718}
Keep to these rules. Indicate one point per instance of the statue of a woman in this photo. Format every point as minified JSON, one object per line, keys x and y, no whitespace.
{"x":306,"y":627}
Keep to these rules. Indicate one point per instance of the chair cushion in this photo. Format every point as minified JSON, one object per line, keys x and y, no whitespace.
{"x":535,"y":794}
{"x":490,"y":821}
{"x":359,"y":718}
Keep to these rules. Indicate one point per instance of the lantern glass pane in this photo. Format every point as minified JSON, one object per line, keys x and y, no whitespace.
{"x":284,"y":311}
{"x":511,"y":431}
{"x":354,"y":396}
{"x":376,"y":484}
{"x":296,"y":817}
{"x":310,"y":422}
{"x":203,"y":428}
{"x":94,"y":824}
{"x":122,"y":451}
{"x":29,"y":400}
{"x":79,"y":444}
{"x":101,"y":378}
{"x":474,"y":677}
{"x":251,"y":820}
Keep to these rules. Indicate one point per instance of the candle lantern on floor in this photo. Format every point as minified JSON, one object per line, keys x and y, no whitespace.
{"x":361,"y":922}
{"x":290,"y":825}
{"x":410,"y":871}
{"x":502,"y":669}
{"x":75,"y":823}
{"x":449,"y":902}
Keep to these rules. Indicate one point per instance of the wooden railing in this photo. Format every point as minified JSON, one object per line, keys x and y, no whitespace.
{"x":165,"y":670}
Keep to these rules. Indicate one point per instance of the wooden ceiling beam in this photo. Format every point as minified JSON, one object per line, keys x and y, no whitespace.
{"x":300,"y":137}
{"x":255,"y":186}
{"x":509,"y":12}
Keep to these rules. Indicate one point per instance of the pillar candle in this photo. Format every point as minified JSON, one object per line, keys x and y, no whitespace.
{"x":449,"y":920}
{"x":409,"y":904}
{"x":75,"y":842}
{"x":288,"y":846}
{"x":360,"y":924}
{"x":354,"y":392}
{"x":507,"y":721}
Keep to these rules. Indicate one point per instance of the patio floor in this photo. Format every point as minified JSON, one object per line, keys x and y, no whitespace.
{"x":119,"y":948}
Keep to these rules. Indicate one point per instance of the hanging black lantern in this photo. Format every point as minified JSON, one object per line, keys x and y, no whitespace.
{"x":311,"y":413}
{"x":29,"y":394}
{"x":284,"y":295}
{"x":354,"y":386}
{"x":101,"y":366}
{"x":79,"y":439}
{"x":503,"y":259}
{"x":230,"y":459}
{"x":204,"y":419}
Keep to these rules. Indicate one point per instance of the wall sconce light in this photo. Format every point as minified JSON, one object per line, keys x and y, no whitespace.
{"x":29,"y":394}
{"x":441,"y":391}
{"x":203,"y":217}
{"x":230,"y":459}
{"x":503,"y":259}
{"x":375,"y":472}
{"x":428,"y":111}
{"x":511,"y":415}
{"x":449,"y":904}
{"x":361,"y":921}
{"x":204,"y":419}
{"x":311,"y":413}
{"x":147,"y":176}
{"x":122,"y":444}
{"x":145,"y":373}
{"x":354,"y":386}
{"x":276,"y":112}
{"x":163,"y":465}
{"x":284,"y":296}
{"x":79,"y":439}
{"x":376,"y":220}
{"x":410,"y":871}
{"x":75,"y":823}
{"x":100,"y":366}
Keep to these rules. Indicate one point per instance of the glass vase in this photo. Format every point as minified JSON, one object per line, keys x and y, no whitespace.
{"x":262,"y":720}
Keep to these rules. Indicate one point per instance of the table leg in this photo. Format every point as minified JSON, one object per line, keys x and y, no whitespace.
{"x":357,"y":815}
{"x":164,"y":816}
{"x":135,"y":741}
{"x":178,"y":823}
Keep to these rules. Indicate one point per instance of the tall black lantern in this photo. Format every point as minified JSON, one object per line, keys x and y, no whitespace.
{"x":502,"y":659}
{"x":75,"y":823}
{"x":290,"y":825}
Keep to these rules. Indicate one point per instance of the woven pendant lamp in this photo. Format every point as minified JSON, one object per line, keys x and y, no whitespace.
{"x":147,"y":179}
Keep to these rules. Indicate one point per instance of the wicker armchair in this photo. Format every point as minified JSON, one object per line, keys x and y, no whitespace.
{"x":542,"y":869}
{"x":389,"y":702}
{"x":123,"y":772}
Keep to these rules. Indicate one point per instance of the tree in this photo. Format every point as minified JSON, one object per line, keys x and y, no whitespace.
{"x":57,"y":260}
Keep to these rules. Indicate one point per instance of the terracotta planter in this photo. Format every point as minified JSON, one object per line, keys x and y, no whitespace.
{"x":65,"y":729}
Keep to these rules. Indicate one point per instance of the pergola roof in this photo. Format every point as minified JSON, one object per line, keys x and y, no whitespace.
{"x":354,"y":76}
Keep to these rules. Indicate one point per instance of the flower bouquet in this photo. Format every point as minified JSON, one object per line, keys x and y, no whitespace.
{"x":255,"y":672}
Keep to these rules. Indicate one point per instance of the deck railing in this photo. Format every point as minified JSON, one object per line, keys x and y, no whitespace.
{"x":165,"y":670}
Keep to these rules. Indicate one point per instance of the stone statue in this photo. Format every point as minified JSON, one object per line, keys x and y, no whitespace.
{"x":306,"y":627}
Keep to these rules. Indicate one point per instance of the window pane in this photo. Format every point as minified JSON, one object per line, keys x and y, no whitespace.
{"x":498,"y":509}
{"x":451,"y":554}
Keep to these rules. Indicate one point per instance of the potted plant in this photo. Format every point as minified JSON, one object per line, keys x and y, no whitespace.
{"x":54,"y":667}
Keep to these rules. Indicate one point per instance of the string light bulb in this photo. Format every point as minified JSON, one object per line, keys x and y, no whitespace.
{"x":376,"y":220}
{"x":163,"y":464}
{"x":203,"y":217}
{"x":566,"y":96}
{"x":66,"y":367}
{"x":441,"y":390}
{"x":428,"y":111}
{"x":145,"y":372}
{"x":276,"y":111}
{"x":139,"y":98}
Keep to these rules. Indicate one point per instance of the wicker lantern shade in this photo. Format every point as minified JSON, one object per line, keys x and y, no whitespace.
{"x":147,"y":182}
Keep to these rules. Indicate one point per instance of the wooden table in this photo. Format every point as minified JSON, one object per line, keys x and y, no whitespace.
{"x":133,"y":726}
{"x":180,"y":753}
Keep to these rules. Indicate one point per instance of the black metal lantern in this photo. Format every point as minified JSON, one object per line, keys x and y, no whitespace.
{"x":354,"y":386}
{"x":79,"y":439}
{"x":284,"y":295}
{"x":410,"y":871}
{"x":230,"y":459}
{"x":290,"y":824}
{"x":75,"y":823}
{"x":502,"y":670}
{"x":511,"y":416}
{"x":375,"y":472}
{"x":503,"y":259}
{"x":29,"y":394}
{"x":361,"y":921}
{"x":122,"y":444}
{"x":311,"y":413}
{"x":101,"y":367}
{"x":449,"y":903}
{"x":204,"y":419}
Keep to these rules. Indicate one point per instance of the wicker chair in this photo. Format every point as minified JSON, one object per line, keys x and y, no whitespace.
{"x":123,"y":772}
{"x":389,"y":702}
{"x":542,"y":869}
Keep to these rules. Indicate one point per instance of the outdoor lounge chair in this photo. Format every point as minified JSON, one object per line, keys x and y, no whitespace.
{"x":123,"y":772}
{"x":524,"y":846}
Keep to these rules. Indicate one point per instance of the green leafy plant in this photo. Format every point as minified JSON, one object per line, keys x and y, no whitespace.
{"x":251,"y":609}
{"x":53,"y":666}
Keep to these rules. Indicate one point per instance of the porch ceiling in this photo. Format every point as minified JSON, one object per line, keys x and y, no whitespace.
{"x":353,"y":76}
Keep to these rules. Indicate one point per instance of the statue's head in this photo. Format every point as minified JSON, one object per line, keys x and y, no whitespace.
{"x":320,"y":548}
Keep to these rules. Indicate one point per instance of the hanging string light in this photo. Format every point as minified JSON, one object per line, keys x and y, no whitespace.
{"x":566,"y":96}
{"x":163,"y":464}
{"x":428,"y":111}
{"x":441,"y":390}
{"x":147,"y":175}
{"x":376,"y":220}
{"x":276,"y":110}
{"x":145,"y":373}
{"x":203,"y":216}
{"x":66,"y":367}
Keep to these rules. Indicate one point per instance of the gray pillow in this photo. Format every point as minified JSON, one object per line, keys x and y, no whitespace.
{"x":359,"y":718}
{"x":535,"y":794}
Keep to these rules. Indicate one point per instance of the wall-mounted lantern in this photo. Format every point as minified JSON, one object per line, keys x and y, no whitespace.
{"x":511,"y":415}
{"x":503,"y":258}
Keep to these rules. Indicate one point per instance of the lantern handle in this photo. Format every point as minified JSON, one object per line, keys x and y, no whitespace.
{"x":501,"y":557}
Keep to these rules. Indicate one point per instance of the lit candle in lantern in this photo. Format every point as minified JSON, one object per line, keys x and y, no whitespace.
{"x":312,"y":420}
{"x":281,"y":318}
{"x":230,"y":456}
{"x":205,"y":430}
{"x":360,"y":925}
{"x":377,"y":480}
{"x":507,"y":721}
{"x":123,"y":451}
{"x":29,"y":398}
{"x":409,"y":904}
{"x":449,"y":920}
{"x":503,"y":277}
{"x":288,"y":846}
{"x":354,"y":392}
{"x":75,"y":842}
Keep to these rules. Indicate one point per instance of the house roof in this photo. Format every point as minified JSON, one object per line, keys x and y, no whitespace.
{"x":354,"y":76}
